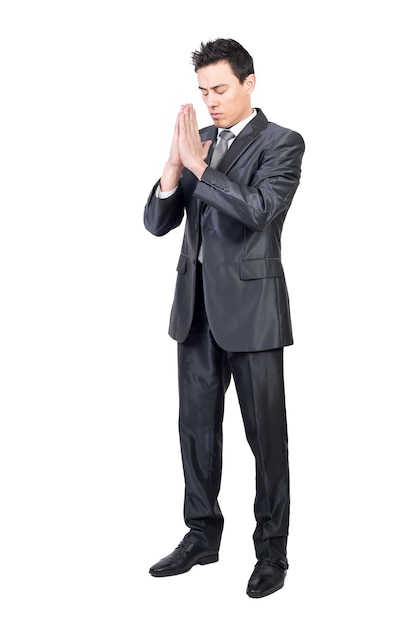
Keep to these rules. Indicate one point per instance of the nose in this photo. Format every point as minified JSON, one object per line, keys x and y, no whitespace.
{"x":212,"y":99}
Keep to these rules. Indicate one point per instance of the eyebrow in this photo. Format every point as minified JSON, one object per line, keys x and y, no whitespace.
{"x":215,"y":87}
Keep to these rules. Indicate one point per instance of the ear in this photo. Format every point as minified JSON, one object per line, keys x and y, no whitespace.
{"x":249,"y":83}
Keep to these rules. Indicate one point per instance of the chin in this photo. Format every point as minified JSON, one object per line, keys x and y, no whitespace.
{"x":219,"y":122}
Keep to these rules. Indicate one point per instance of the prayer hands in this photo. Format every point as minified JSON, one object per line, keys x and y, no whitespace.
{"x":192,"y":151}
{"x":187,"y":149}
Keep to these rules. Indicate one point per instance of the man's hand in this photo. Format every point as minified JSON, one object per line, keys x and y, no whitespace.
{"x":174,"y":166}
{"x":191,"y":149}
{"x":187,"y":150}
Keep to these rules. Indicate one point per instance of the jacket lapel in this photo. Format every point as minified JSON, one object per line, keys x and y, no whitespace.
{"x":211,"y":134}
{"x":244,"y":140}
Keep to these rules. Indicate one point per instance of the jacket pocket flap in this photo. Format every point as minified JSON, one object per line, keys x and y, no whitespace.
{"x":182,"y":264}
{"x":250,"y":269}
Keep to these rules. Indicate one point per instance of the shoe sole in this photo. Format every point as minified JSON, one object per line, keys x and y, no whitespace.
{"x":205,"y":560}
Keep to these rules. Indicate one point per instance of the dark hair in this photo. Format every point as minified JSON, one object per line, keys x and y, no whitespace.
{"x":224,"y":50}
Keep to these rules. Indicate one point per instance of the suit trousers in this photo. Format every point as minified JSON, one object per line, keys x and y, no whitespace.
{"x":205,"y":371}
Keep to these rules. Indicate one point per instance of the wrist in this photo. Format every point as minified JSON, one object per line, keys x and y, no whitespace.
{"x":170,"y":176}
{"x":199,"y":169}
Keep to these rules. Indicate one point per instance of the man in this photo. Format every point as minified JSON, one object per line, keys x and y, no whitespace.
{"x":230,"y":314}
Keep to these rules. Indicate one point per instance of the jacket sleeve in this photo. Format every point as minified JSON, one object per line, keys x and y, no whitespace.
{"x":272,"y":188}
{"x":162,"y":215}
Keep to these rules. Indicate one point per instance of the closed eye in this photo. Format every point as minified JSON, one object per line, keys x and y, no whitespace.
{"x":218,"y":89}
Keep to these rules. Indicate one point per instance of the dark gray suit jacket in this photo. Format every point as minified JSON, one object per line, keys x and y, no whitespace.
{"x":237,"y":213}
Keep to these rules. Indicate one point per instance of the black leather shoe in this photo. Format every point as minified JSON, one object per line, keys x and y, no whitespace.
{"x":182,"y":559}
{"x":266,"y":578}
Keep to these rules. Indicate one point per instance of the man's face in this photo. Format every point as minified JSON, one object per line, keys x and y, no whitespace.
{"x":228,"y":100}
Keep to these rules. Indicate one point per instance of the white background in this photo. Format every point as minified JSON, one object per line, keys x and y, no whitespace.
{"x":91,"y":479}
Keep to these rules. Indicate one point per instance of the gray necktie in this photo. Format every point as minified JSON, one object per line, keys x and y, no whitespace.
{"x":218,"y":153}
{"x":221,"y":147}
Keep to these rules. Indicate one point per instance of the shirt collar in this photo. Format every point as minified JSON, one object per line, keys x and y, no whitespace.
{"x":237,"y":128}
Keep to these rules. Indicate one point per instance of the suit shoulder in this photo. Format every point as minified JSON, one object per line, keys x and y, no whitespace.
{"x":283,"y":130}
{"x":286,"y":134}
{"x":207,"y":131}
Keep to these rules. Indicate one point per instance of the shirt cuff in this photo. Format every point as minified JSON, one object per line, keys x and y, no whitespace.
{"x":161,"y":195}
